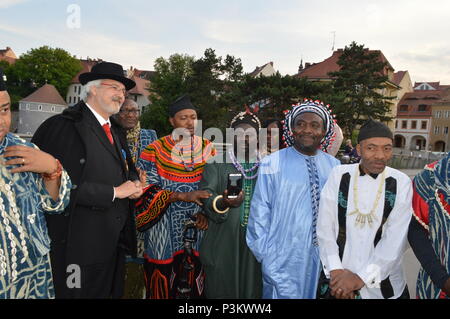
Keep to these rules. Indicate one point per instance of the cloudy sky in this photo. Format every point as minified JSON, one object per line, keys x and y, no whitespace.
{"x":413,"y":35}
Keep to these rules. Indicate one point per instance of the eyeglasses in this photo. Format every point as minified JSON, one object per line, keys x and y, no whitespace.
{"x":116,"y":88}
{"x":129,"y":112}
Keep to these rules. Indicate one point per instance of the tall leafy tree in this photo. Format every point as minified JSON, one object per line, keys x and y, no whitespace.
{"x":169,"y":82}
{"x":40,"y":66}
{"x":209,"y":81}
{"x":358,"y":88}
{"x":279,"y":92}
{"x":212,"y":85}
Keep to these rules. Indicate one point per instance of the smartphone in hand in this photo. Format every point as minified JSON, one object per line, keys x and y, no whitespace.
{"x":234,"y":185}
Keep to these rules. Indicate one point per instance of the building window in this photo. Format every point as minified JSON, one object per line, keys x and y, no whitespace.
{"x":424,"y":125}
{"x":446,"y":130}
{"x":404,"y":124}
{"x":422,"y":108}
{"x":438,"y":114}
{"x":447,"y":113}
{"x":396,"y":123}
{"x":53,"y":108}
{"x":403,"y":108}
{"x":414,"y":125}
{"x":40,"y":107}
{"x":437,"y":129}
{"x":28,"y":107}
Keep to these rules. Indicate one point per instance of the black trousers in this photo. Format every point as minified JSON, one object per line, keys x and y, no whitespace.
{"x":97,"y":281}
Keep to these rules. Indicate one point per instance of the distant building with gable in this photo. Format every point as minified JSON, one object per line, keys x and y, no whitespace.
{"x":265,"y":70}
{"x":37,"y":107}
{"x":8,"y":55}
{"x":321,"y":72}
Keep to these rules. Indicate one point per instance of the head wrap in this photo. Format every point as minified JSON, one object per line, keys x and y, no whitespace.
{"x":182,"y":103}
{"x":309,"y":106}
{"x":246,"y":118}
{"x":374,"y":129}
{"x":2,"y":81}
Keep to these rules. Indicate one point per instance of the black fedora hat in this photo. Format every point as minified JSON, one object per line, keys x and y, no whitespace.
{"x":107,"y":70}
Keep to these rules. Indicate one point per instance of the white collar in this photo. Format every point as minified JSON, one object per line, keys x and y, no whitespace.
{"x":99,"y":118}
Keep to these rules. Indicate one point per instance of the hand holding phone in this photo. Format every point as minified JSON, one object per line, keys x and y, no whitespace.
{"x":234,"y":185}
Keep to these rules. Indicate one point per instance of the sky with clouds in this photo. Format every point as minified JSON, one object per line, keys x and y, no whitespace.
{"x":412,"y":34}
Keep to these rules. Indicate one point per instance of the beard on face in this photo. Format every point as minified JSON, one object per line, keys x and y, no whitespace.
{"x":312,"y":146}
{"x":112,"y":108}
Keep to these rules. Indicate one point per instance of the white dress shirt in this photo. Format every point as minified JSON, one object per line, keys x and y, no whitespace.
{"x":371,"y":264}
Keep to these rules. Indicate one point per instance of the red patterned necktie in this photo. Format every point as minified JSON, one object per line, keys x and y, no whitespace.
{"x":107,"y":130}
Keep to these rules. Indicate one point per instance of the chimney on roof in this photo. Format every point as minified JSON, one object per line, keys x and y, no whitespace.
{"x":307,"y":64}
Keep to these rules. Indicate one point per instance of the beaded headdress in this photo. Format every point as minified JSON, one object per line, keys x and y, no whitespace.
{"x":309,"y":106}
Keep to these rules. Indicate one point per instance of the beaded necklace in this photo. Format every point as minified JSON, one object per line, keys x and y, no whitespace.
{"x":248,"y":184}
{"x":6,"y":189}
{"x":189,"y":167}
{"x":244,"y":171}
{"x":370,"y":217}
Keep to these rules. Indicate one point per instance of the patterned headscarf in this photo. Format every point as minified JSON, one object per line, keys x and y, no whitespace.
{"x":309,"y":106}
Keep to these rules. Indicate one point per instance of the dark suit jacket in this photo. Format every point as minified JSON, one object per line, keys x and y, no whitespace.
{"x":93,"y":225}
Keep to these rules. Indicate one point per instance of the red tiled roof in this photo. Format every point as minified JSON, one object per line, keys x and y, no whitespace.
{"x":46,"y":94}
{"x":435,"y":85}
{"x":141,"y":86}
{"x":398,"y":77}
{"x":420,"y":97}
{"x":320,"y":70}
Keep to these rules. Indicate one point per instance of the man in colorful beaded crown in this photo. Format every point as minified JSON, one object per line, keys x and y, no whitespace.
{"x":283,"y":214}
{"x":231,"y":269}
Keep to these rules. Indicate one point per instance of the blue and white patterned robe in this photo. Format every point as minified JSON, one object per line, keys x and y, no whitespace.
{"x":25,"y":270}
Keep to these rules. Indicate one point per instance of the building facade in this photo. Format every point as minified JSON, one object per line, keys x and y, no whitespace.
{"x":321,"y":72}
{"x":73,"y":95}
{"x":440,"y":124}
{"x":37,"y":107}
{"x":414,"y":120}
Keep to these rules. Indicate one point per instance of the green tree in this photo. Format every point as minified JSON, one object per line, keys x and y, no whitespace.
{"x":357,"y":88}
{"x":212,"y":86}
{"x":168,"y":83}
{"x":210,"y":82}
{"x":6,"y":67}
{"x":40,"y":66}
{"x":279,"y":91}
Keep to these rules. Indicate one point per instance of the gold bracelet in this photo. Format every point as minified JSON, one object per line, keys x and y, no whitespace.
{"x":214,"y":205}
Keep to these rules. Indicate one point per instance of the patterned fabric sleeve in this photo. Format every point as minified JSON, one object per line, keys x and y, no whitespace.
{"x":151,"y":207}
{"x":47,"y":203}
{"x":154,"y":201}
{"x":420,"y":207}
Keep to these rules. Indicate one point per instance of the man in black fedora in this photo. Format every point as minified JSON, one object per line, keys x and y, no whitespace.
{"x":96,"y":231}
